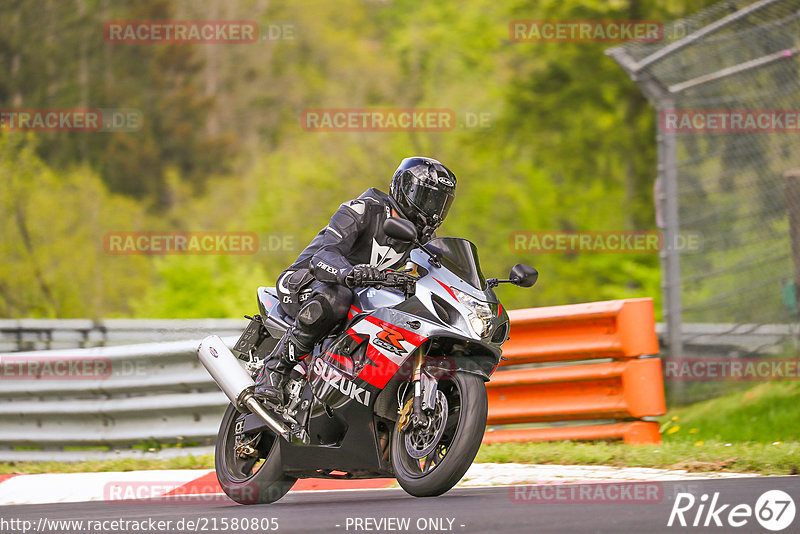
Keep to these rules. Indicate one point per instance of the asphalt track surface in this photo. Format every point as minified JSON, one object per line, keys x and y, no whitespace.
{"x":484,"y":510}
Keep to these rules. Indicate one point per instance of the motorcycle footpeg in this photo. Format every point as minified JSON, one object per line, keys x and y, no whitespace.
{"x":269,"y":403}
{"x":287,"y":418}
{"x":298,"y":436}
{"x":277,"y":410}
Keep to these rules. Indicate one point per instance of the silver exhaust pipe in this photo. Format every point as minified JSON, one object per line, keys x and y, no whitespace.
{"x":235,"y":382}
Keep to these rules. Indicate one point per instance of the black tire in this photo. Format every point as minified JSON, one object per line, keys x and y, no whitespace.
{"x":460,"y":441}
{"x":266,"y":484}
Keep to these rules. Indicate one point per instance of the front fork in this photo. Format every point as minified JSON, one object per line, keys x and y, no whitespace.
{"x":424,"y":400}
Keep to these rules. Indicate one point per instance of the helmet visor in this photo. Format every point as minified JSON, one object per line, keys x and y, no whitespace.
{"x":433,"y":202}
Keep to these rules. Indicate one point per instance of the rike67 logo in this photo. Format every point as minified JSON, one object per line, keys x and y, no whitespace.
{"x":773,"y":510}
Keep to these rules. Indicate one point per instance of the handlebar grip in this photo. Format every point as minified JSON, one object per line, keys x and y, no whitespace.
{"x":387,"y":279}
{"x":396,"y":279}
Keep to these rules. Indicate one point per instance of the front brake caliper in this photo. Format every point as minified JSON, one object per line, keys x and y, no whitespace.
{"x":245,"y":447}
{"x":405,"y":415}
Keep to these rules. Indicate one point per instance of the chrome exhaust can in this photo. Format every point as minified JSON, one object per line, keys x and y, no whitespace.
{"x":234,"y":381}
{"x":224,"y":368}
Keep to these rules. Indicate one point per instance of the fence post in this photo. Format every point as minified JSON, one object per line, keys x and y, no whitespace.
{"x":792,"y":196}
{"x":670,"y":254}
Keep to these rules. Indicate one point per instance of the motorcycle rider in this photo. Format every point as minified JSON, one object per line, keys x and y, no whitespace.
{"x":352,"y":251}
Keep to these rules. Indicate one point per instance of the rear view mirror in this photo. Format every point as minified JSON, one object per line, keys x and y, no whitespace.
{"x":400,"y":229}
{"x":523,"y":275}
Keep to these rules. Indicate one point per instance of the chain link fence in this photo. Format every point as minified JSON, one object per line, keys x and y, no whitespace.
{"x":726,"y":87}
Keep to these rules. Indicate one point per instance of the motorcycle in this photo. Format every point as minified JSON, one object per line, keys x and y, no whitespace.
{"x":398,"y":390}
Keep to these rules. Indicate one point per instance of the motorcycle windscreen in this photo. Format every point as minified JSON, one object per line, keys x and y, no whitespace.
{"x":461,"y":257}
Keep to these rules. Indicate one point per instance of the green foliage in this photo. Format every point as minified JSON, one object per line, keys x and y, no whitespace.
{"x":54,"y":55}
{"x":767,"y":459}
{"x":570,"y":146}
{"x":764,"y":413}
{"x":52,"y":228}
{"x":98,"y":466}
{"x":199,"y":286}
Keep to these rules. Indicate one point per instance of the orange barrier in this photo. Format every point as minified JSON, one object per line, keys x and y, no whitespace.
{"x":626,"y":389}
{"x":611,"y":329}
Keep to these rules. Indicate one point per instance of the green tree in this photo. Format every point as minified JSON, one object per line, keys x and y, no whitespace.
{"x":52,"y":234}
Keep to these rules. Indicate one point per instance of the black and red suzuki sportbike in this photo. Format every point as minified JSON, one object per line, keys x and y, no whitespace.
{"x":398,"y":390}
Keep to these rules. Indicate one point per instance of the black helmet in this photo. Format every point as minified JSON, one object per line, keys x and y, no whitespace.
{"x":423,"y":189}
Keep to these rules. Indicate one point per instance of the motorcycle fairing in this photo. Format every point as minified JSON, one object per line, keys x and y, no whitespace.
{"x":349,"y":374}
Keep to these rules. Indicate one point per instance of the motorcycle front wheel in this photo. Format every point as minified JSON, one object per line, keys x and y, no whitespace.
{"x":429,"y":461}
{"x":257,"y":479}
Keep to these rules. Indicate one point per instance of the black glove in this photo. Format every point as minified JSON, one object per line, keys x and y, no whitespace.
{"x":363,"y":274}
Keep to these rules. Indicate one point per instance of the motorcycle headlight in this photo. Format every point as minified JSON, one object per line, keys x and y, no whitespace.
{"x":479,"y":312}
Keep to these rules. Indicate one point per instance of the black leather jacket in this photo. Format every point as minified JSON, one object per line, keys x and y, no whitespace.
{"x":354,"y":235}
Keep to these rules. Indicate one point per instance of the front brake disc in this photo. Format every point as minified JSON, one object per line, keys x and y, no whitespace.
{"x":421,"y":441}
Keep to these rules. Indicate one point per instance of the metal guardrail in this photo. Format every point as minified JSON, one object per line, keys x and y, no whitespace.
{"x":48,"y":334}
{"x":730,"y":339}
{"x":159,"y":392}
{"x":114,"y":396}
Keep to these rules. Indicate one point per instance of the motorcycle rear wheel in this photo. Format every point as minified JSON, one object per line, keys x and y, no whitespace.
{"x":255,"y":480}
{"x":436,"y":473}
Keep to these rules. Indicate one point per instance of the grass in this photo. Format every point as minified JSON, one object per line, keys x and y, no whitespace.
{"x":768,"y":459}
{"x":765,"y":413}
{"x":121,"y":464}
{"x":765,"y":458}
{"x":755,"y":430}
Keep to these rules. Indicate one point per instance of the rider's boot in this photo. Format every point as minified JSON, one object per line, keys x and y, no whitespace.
{"x":292,"y":347}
